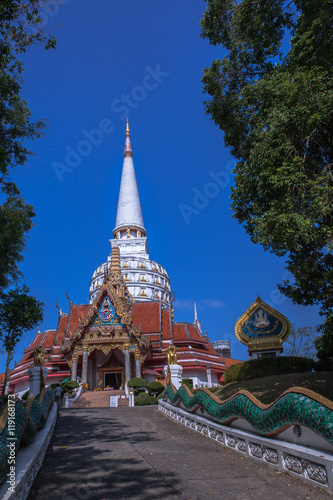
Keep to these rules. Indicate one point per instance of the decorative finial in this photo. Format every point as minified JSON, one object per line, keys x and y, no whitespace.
{"x":128,"y":148}
{"x":69,"y":300}
{"x":195,"y":312}
{"x":56,"y":304}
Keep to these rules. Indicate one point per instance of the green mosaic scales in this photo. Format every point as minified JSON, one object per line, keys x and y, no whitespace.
{"x":27,"y":423}
{"x":295,"y":406}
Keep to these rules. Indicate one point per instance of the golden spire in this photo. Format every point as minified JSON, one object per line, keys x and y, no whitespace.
{"x":128,"y":148}
{"x":115,"y":263}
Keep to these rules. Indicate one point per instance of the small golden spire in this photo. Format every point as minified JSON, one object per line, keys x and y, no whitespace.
{"x":128,"y":148}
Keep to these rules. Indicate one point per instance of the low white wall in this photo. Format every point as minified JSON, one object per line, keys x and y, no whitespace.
{"x":29,"y":460}
{"x":311,"y":465}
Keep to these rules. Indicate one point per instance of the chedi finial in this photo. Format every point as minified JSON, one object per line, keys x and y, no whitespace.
{"x":128,"y":147}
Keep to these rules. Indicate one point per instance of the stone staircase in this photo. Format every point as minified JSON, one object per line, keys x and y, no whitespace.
{"x":100,"y":399}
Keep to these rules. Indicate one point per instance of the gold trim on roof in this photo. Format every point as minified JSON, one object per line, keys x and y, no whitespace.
{"x":123,"y":309}
{"x":263,"y":343}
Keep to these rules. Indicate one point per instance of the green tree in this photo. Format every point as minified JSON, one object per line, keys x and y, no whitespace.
{"x":20,"y":29}
{"x":15,"y":222}
{"x":301,"y":342}
{"x":275,"y":108}
{"x":19,"y":313}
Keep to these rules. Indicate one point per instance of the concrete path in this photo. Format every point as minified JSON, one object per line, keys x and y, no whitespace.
{"x":138,"y":453}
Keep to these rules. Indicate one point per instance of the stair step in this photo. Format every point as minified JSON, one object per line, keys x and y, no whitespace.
{"x":100,"y":399}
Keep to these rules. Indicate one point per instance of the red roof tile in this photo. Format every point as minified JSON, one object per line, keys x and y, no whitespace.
{"x":49,"y":339}
{"x":61,"y":329}
{"x":38,"y":338}
{"x":148,"y":315}
{"x":186,"y":332}
{"x":231,"y":361}
{"x":75,"y":316}
{"x":193,"y":331}
{"x":166,"y":324}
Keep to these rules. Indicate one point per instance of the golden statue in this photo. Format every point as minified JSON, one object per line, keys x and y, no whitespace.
{"x":139,"y":234}
{"x":128,"y":232}
{"x":172,"y":354}
{"x":39,"y":356}
{"x":168,"y":377}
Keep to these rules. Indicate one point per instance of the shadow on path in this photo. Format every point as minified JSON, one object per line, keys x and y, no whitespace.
{"x":138,"y":453}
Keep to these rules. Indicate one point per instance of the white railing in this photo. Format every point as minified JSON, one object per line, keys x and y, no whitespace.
{"x":129,"y":395}
{"x":312,"y":465}
{"x":68,"y":402}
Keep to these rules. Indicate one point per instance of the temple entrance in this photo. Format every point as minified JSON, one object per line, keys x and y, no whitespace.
{"x":113,"y":379}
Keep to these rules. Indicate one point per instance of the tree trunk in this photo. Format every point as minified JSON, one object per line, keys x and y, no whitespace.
{"x":9,"y":357}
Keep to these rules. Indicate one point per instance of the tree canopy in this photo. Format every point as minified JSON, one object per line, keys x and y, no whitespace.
{"x":301,"y":342}
{"x":19,"y":313}
{"x":20,"y":28}
{"x":274,"y":105}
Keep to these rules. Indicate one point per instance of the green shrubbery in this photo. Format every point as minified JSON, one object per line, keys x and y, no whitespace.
{"x":155,"y":388}
{"x":138,"y":384}
{"x":69,"y":386}
{"x":264,"y":367}
{"x":210,"y":389}
{"x":188,"y":382}
{"x":144,"y":399}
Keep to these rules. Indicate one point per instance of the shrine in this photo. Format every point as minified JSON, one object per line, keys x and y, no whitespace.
{"x":262,"y":329}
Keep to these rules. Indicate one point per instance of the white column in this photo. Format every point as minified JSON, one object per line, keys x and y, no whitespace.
{"x":209,"y":375}
{"x":137,"y":366}
{"x":176,"y":372}
{"x":127,"y":363}
{"x":74,"y":368}
{"x":34,"y":376}
{"x":85,"y":364}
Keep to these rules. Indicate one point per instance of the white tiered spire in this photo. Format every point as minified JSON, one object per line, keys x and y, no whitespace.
{"x":129,"y":214}
{"x":146,"y":279}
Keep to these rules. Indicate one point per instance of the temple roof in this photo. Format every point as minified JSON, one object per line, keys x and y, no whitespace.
{"x":194,"y":351}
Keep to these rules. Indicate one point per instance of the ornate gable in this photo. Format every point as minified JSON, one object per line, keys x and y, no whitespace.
{"x":109,"y":318}
{"x":106,"y":314}
{"x":261,"y":327}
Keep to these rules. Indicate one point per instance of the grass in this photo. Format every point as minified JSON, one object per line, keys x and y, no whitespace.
{"x":267,"y":389}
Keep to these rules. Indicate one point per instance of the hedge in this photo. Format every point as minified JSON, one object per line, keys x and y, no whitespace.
{"x":188,"y":382}
{"x":155,"y":387}
{"x":264,"y":367}
{"x":70,"y":385}
{"x":137,"y":383}
{"x":144,"y":399}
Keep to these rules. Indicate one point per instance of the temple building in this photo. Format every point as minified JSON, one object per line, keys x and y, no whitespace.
{"x":126,"y":328}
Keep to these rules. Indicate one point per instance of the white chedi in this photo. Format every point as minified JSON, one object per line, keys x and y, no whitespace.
{"x":146,"y":279}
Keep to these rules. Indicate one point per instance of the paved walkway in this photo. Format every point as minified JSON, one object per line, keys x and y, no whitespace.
{"x":138,"y":453}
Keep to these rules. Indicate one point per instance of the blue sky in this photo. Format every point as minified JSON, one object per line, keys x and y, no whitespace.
{"x":145,"y":60}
